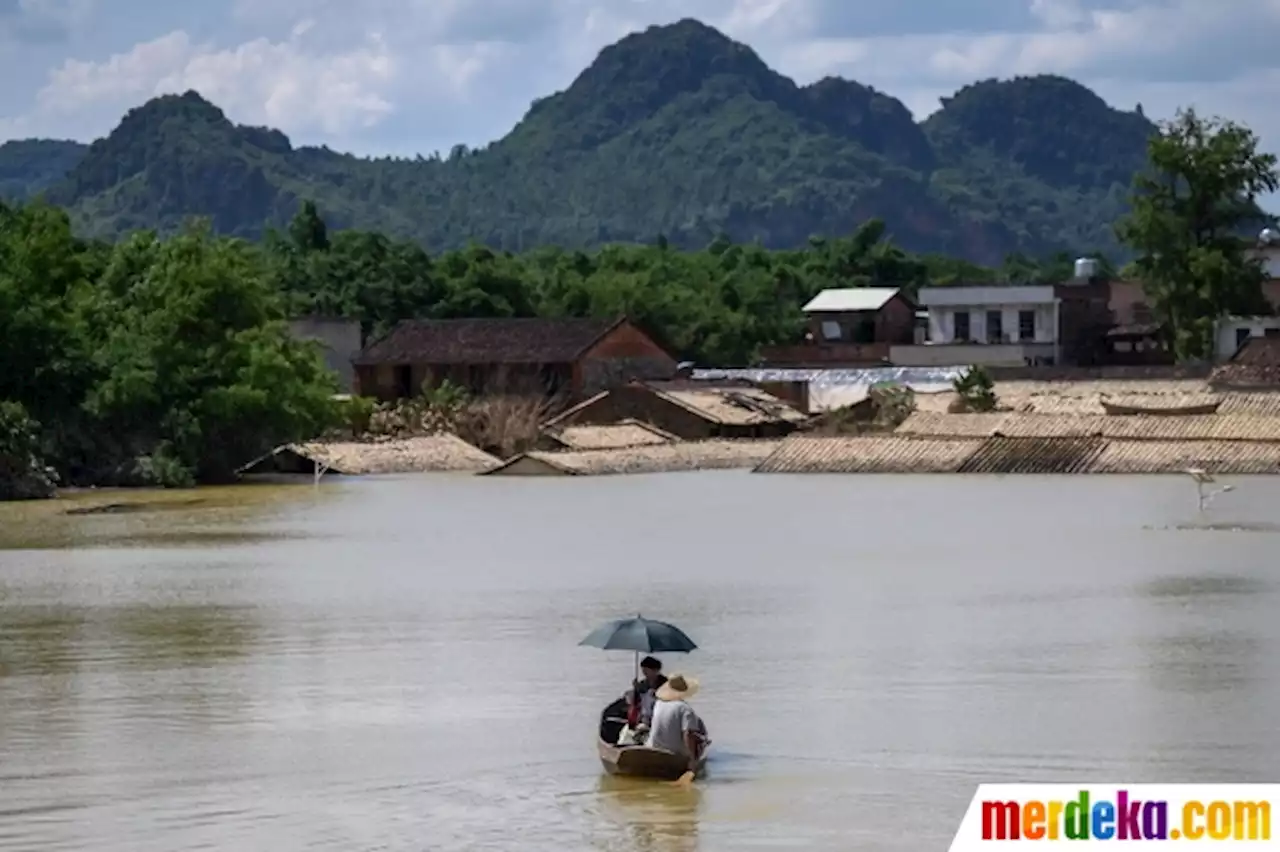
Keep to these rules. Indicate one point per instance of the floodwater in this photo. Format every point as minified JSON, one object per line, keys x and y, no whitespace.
{"x":391,"y":664}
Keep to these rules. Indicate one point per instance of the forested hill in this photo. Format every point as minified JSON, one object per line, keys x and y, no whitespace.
{"x":677,"y":130}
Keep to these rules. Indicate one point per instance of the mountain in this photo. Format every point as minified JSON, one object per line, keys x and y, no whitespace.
{"x":677,"y":130}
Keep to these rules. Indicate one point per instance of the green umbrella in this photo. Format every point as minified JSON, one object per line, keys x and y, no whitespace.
{"x":641,"y":635}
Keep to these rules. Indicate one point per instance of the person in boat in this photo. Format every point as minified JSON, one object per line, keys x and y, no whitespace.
{"x":640,"y":700}
{"x":675,"y":727}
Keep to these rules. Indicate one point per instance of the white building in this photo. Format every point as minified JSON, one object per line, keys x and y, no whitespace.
{"x":1232,"y":332}
{"x":986,"y":325}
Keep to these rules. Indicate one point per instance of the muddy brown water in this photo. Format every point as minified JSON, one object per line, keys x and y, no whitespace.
{"x":391,"y":664}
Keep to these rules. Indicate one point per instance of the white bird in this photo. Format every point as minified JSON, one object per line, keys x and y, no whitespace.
{"x":1203,"y":478}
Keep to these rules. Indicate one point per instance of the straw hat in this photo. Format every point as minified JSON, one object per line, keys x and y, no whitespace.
{"x":677,"y":688}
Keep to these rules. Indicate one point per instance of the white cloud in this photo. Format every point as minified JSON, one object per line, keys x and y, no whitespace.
{"x":263,"y":82}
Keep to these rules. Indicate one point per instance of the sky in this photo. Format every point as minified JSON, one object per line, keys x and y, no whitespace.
{"x":402,"y":77}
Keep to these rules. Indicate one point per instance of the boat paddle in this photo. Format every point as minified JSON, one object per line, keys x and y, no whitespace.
{"x":685,"y":780}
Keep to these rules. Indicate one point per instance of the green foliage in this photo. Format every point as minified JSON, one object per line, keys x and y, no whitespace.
{"x":1189,"y":213}
{"x":23,"y":474}
{"x":677,"y":131}
{"x":976,"y":390}
{"x":163,"y":362}
{"x":356,"y":413}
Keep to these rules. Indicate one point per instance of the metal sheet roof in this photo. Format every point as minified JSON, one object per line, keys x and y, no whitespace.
{"x":917,"y":378}
{"x":850,"y":299}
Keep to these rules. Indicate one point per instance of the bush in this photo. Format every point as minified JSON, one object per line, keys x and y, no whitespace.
{"x":23,"y":473}
{"x":976,"y":391}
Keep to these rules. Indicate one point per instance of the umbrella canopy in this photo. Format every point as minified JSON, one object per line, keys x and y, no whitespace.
{"x":641,"y":635}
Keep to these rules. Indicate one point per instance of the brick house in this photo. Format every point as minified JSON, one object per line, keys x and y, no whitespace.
{"x":849,"y":326}
{"x":570,"y":357}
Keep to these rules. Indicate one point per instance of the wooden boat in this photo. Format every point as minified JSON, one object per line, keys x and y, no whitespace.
{"x":638,"y":761}
{"x":1116,"y":409}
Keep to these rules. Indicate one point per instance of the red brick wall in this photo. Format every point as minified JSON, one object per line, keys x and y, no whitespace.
{"x":623,"y":355}
{"x":896,"y":322}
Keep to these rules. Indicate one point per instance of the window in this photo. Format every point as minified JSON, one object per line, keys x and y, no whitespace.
{"x":961,"y":325}
{"x":831,"y":330}
{"x":995,"y":326}
{"x":1026,"y":325}
{"x":1242,"y":334}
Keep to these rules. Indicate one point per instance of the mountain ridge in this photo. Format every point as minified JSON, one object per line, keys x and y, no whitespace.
{"x":676,"y":130}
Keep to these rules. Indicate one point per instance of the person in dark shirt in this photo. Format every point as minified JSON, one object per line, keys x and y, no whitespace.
{"x":640,"y":697}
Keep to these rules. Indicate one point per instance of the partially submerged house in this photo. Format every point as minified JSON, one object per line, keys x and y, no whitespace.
{"x":688,"y":410}
{"x":570,"y":357}
{"x":614,"y":436}
{"x":1255,"y":366}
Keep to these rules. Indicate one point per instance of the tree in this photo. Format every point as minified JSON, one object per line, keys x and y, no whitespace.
{"x":1189,"y":214}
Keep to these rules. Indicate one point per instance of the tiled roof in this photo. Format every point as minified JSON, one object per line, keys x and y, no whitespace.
{"x":663,"y":458}
{"x":1217,"y":427}
{"x":869,"y":454}
{"x":1259,"y":352}
{"x":1246,"y":376}
{"x":734,"y":406}
{"x":1267,"y":404}
{"x":1034,"y":455}
{"x":1216,"y":457}
{"x":937,"y":424}
{"x":487,"y":341}
{"x":626,"y":433}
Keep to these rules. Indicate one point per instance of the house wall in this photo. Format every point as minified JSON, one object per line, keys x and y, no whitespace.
{"x":983,"y":354}
{"x":942,"y":322}
{"x":623,"y":355}
{"x":1227,"y":340}
{"x":340,"y":340}
{"x":893,"y":323}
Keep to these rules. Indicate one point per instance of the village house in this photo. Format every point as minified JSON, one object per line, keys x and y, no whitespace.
{"x":340,"y":341}
{"x":689,"y":411}
{"x":848,"y":326}
{"x":1011,"y":326}
{"x":566,"y":357}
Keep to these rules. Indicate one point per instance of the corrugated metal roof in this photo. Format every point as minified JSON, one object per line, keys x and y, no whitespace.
{"x":1034,"y":455}
{"x":1217,"y":457}
{"x":735,"y":406}
{"x":868,"y":454}
{"x":850,"y":299}
{"x":913,"y":377}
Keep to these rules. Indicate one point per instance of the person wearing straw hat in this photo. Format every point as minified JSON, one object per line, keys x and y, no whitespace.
{"x":675,"y":727}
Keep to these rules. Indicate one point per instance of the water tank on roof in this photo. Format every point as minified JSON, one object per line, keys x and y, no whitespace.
{"x":1086,"y":268}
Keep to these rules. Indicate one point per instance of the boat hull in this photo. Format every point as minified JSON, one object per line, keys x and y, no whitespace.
{"x":646,"y":762}
{"x":638,"y":761}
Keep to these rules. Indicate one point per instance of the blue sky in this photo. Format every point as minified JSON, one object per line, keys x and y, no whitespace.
{"x":413,"y":76}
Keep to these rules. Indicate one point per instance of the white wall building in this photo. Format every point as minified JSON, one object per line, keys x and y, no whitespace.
{"x":987,"y":325}
{"x":1232,"y":332}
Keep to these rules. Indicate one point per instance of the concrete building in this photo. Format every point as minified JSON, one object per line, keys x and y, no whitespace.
{"x":986,"y":325}
{"x":341,"y":340}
